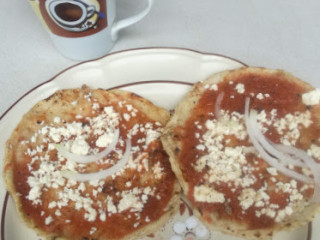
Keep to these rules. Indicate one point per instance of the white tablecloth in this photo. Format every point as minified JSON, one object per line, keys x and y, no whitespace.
{"x":272,"y":33}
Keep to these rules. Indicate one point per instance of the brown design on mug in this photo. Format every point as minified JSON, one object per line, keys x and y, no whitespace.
{"x":74,"y":18}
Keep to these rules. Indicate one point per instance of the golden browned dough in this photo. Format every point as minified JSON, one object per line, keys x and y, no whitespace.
{"x":133,"y":202}
{"x":231,"y":187}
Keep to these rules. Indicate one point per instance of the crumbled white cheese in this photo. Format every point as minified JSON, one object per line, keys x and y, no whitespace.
{"x":103,"y":216}
{"x":247,"y":198}
{"x":211,"y":87}
{"x":204,"y":193}
{"x":80,"y":147}
{"x":104,"y":140}
{"x":90,"y":215}
{"x":57,"y":213}
{"x":157,"y":170}
{"x":201,"y":147}
{"x":48,"y":220}
{"x":52,"y":205}
{"x":110,"y":205}
{"x":126,"y":117}
{"x":312,"y":97}
{"x":128,"y":184}
{"x":260,"y":96}
{"x":314,"y":151}
{"x":152,"y":135}
{"x":56,"y":119}
{"x":130,"y":200}
{"x":93,"y":230}
{"x":35,"y":192}
{"x":95,"y":106}
{"x":240,"y":88}
{"x":224,"y":163}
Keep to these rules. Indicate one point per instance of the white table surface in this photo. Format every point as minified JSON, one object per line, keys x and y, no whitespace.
{"x":271,"y":33}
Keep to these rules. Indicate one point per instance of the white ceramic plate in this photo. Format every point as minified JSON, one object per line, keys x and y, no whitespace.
{"x":162,"y":75}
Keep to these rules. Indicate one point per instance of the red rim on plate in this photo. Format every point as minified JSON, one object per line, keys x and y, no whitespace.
{"x":115,"y":53}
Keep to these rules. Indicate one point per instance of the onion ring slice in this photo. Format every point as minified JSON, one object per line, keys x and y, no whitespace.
{"x":89,"y":158}
{"x":85,"y":177}
{"x":217,"y":106}
{"x":310,"y":163}
{"x":250,"y":120}
{"x":270,"y":147}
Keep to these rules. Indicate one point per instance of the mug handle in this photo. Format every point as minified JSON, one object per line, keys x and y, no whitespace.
{"x":129,"y":21}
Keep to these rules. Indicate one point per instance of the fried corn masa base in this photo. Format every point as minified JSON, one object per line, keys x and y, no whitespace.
{"x":231,"y":187}
{"x":131,"y":203}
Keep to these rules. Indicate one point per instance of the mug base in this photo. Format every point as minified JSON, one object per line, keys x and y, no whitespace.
{"x":84,"y":48}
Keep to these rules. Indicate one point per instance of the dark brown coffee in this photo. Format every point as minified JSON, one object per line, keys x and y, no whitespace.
{"x":68,"y":11}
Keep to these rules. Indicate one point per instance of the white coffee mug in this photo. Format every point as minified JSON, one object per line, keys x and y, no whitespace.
{"x":83,"y":29}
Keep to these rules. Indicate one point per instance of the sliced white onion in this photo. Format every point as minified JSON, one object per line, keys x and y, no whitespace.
{"x":252,"y":132}
{"x":186,"y":200}
{"x":89,"y":158}
{"x":85,"y":177}
{"x":217,"y":106}
{"x":310,"y":163}
{"x":298,"y":153}
{"x":250,"y":149}
{"x":269,"y":147}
